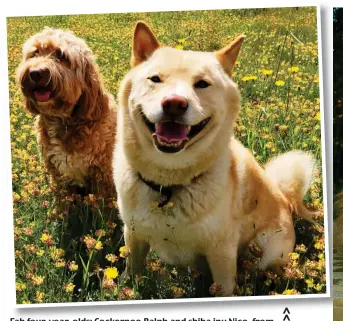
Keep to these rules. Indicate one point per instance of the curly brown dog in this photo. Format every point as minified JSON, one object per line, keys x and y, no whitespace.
{"x":75,"y":122}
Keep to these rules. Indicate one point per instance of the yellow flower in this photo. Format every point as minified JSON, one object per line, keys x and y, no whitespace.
{"x":20,"y":286}
{"x":69,"y":288}
{"x":40,"y":252}
{"x":46,"y":238}
{"x":90,"y":242}
{"x":60,"y":263}
{"x":111,"y":258}
{"x":37,"y":279}
{"x":39,"y":296}
{"x":177,"y":292}
{"x":72,"y":266}
{"x":310,"y":283}
{"x":16,"y":197}
{"x":109,"y":284}
{"x":280,"y":83}
{"x":267,"y":72}
{"x":174,"y":272}
{"x":155,"y":265}
{"x":269,"y":145}
{"x":318,"y":287}
{"x":321,"y":265}
{"x":315,"y":139}
{"x":290,"y":292}
{"x":56,"y":253}
{"x":111,"y":273}
{"x":127,"y":294}
{"x":301,"y":248}
{"x":98,"y":245}
{"x":248,"y":78}
{"x":293,"y":69}
{"x":26,"y":302}
{"x":294,"y":256}
{"x":124,"y":251}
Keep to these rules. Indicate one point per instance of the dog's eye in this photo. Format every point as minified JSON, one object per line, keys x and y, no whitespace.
{"x":155,"y":79}
{"x":33,"y":54}
{"x":201,"y":84}
{"x":59,"y":54}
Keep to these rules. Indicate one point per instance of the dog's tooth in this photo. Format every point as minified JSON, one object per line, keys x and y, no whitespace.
{"x":168,"y":144}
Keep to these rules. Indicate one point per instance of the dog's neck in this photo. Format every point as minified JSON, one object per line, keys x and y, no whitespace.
{"x":72,"y":121}
{"x":67,"y":125}
{"x":164,"y":176}
{"x":166,"y":192}
{"x":143,"y":162}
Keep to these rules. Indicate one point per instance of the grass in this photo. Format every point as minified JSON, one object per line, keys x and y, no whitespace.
{"x":78,"y":255}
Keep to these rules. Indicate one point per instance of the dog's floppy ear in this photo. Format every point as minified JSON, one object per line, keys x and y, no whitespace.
{"x":227,"y":56}
{"x":28,"y":103}
{"x":144,"y":43}
{"x":93,"y":101}
{"x":30,"y":107}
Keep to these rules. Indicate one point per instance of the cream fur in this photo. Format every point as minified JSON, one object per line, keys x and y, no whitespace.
{"x":226,"y":201}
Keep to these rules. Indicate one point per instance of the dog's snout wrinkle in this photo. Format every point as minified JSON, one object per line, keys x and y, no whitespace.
{"x":174,"y":105}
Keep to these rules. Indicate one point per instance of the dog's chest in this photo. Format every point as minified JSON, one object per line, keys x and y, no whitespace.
{"x":184,"y":230}
{"x":177,"y":238}
{"x":72,"y":165}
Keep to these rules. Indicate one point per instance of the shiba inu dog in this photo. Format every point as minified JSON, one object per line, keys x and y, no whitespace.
{"x":186,"y":187}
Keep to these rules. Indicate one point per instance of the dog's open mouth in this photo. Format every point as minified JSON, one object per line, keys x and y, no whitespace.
{"x":42,"y":94}
{"x":171,"y":136}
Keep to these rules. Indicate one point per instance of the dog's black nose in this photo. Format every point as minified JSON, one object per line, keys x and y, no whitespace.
{"x":174,"y":105}
{"x":36,"y":74}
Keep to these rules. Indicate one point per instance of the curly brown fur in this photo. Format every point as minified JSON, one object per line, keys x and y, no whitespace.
{"x":76,"y":118}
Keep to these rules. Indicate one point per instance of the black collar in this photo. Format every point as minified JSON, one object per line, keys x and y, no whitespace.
{"x":165,"y":191}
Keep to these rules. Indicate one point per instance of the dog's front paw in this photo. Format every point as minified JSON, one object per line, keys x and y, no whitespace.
{"x":124,"y":278}
{"x":130,"y":274}
{"x":277,"y":267}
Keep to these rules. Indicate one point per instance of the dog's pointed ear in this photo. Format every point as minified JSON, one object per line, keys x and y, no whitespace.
{"x":227,"y":56}
{"x":144,"y":43}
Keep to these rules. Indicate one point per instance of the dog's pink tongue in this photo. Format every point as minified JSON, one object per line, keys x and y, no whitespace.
{"x":42,"y":95}
{"x":171,"y":132}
